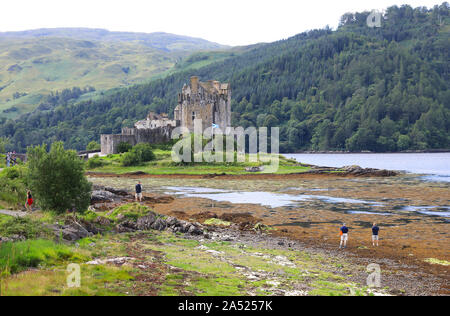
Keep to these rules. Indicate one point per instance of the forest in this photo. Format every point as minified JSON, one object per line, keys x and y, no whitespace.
{"x":356,"y":88}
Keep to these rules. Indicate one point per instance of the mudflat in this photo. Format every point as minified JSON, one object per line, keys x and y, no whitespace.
{"x":413,"y":215}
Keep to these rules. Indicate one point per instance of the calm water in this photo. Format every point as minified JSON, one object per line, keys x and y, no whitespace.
{"x":435,"y":166}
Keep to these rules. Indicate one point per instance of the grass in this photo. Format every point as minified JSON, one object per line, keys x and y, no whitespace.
{"x":164,"y":166}
{"x":95,"y":281}
{"x":19,"y":256}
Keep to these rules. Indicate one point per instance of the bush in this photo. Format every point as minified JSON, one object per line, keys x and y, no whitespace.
{"x":13,"y":185}
{"x":123,"y":147}
{"x":131,"y":159}
{"x":139,"y":154}
{"x":93,"y":146}
{"x":57,"y":179}
{"x":23,"y":227}
{"x":95,"y":162}
{"x":145,"y":152}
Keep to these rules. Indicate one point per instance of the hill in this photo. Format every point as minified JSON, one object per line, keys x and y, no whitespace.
{"x":356,"y":88}
{"x":35,"y":63}
{"x":158,"y":40}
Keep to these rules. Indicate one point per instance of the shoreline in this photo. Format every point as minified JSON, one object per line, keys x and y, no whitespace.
{"x":437,"y":151}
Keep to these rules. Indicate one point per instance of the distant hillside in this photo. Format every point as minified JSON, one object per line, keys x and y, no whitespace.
{"x":35,"y":63}
{"x":356,"y":88}
{"x":159,"y":40}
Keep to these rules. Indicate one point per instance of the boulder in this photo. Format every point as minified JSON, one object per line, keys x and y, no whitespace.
{"x":102,"y":196}
{"x":254,"y":169}
{"x":146,"y":222}
{"x":159,"y":224}
{"x":126,"y":227}
{"x":103,"y":221}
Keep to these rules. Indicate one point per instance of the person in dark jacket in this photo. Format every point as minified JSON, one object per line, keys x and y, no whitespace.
{"x":375,"y":236}
{"x":344,"y":236}
{"x":139,"y":192}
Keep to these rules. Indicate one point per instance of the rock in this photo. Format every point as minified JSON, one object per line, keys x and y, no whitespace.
{"x":117,"y":261}
{"x":171,"y":221}
{"x":254,"y":169}
{"x":12,"y":238}
{"x":126,"y":227}
{"x":117,"y":191}
{"x":103,"y":221}
{"x":146,"y":222}
{"x":72,"y":233}
{"x":159,"y":224}
{"x":194,"y":230}
{"x":102,"y":196}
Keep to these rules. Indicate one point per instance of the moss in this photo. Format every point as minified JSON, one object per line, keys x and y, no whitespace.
{"x":131,"y":211}
{"x":437,"y":261}
{"x":217,"y":222}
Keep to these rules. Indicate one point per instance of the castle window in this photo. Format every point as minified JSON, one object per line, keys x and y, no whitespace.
{"x":193,"y":115}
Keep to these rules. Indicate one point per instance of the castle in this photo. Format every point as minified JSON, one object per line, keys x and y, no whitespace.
{"x":209,"y":101}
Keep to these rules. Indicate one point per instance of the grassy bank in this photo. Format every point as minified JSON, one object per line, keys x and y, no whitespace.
{"x":164,"y":263}
{"x":165,"y":165}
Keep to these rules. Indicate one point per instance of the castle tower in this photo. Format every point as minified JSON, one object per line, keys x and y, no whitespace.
{"x":209,"y":101}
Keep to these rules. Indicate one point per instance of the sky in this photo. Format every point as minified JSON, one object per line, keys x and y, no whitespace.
{"x":229,"y":22}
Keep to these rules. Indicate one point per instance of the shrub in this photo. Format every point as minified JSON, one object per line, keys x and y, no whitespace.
{"x":145,"y":152}
{"x":131,"y":159}
{"x":57,"y":178}
{"x":95,"y":162}
{"x":139,"y":154}
{"x":23,"y":227}
{"x":93,"y":146}
{"x":123,"y":147}
{"x":13,"y":185}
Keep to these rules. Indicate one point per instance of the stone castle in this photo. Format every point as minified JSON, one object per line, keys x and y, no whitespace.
{"x":209,"y":101}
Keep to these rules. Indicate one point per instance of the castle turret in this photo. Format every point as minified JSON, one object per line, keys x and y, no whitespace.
{"x":194,"y":84}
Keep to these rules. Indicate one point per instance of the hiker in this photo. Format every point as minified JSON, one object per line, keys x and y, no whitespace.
{"x":8,"y":160}
{"x":29,"y":201}
{"x":139,"y":191}
{"x":344,"y":236}
{"x":375,"y":230}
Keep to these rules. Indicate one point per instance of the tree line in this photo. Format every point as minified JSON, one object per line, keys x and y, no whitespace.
{"x":356,"y":88}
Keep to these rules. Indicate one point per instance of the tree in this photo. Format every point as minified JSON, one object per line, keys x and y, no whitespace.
{"x":93,"y":145}
{"x":57,"y":178}
{"x":3,"y":143}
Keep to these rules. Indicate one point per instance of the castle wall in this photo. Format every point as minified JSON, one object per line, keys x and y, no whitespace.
{"x":109,"y":143}
{"x":158,"y":135}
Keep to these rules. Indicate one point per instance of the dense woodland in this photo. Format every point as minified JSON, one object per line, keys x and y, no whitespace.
{"x":355,"y":88}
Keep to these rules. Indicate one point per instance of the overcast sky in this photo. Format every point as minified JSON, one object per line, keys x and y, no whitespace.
{"x":231,"y":22}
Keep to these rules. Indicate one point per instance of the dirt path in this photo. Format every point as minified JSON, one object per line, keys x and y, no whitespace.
{"x":13,"y":213}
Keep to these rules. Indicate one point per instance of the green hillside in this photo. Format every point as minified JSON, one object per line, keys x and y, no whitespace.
{"x":32,"y":64}
{"x":356,"y":88}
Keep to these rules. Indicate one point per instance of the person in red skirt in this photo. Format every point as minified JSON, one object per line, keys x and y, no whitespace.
{"x":29,"y":201}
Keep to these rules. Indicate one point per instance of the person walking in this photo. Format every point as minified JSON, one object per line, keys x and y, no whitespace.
{"x":139,"y":192}
{"x":375,"y":236}
{"x":30,"y":201}
{"x":8,"y":160}
{"x":344,"y":236}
